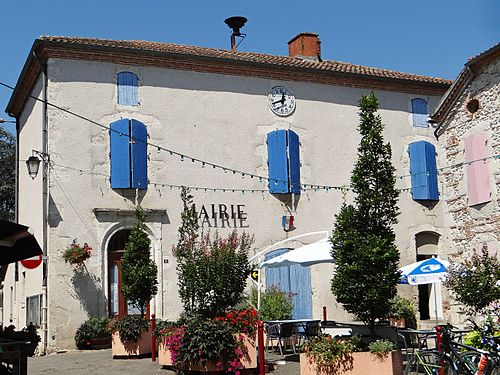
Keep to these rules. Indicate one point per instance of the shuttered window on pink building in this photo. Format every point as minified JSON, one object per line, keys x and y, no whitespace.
{"x":476,"y":169}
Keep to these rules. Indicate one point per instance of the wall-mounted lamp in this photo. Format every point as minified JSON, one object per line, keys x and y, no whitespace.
{"x":33,"y":162}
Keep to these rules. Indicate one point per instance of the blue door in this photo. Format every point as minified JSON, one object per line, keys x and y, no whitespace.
{"x":294,"y":279}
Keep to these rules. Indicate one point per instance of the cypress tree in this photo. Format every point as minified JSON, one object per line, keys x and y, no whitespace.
{"x":139,"y":272}
{"x":363,"y":239}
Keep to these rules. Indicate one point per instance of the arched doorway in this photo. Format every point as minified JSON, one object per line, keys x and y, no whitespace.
{"x":118,"y":306}
{"x":429,"y":295}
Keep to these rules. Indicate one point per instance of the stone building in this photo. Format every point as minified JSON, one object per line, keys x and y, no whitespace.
{"x":468,"y":130}
{"x":258,"y":138}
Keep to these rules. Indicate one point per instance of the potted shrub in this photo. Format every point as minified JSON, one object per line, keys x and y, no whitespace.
{"x":168,"y":336}
{"x":94,"y":333}
{"x":326,"y":355}
{"x":132,"y":334}
{"x":402,"y":313}
{"x":274,"y":304}
{"x":28,"y":334}
{"x":131,"y":337}
{"x":212,"y":274}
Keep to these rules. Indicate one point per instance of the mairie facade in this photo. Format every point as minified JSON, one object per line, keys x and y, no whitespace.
{"x":258,"y":138}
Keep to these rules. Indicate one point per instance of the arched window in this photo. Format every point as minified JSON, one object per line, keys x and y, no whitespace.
{"x":127,"y":88}
{"x":419,"y":112}
{"x":128,"y":153}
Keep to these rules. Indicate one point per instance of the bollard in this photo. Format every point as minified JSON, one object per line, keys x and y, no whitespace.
{"x":153,"y":338}
{"x":260,"y":343}
{"x":324,"y":313}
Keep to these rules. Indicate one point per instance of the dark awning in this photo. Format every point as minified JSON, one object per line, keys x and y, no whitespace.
{"x":16,"y":243}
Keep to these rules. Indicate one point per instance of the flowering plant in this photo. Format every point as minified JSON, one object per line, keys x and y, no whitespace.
{"x":202,"y":340}
{"x":331,"y":354}
{"x":76,"y":254}
{"x":241,"y":321}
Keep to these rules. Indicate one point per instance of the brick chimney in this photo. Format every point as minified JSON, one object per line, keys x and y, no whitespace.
{"x":305,"y":46}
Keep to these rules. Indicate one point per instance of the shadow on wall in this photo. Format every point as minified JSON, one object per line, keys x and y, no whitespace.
{"x":88,"y":290}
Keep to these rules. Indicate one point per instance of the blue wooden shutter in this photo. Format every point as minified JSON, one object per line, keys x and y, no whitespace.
{"x":293,"y":279}
{"x":419,"y":112}
{"x":277,"y":276}
{"x":120,"y":154}
{"x":127,"y":88}
{"x":277,"y":161}
{"x":300,"y":288}
{"x":423,"y":171}
{"x":294,"y":162}
{"x":139,"y":155}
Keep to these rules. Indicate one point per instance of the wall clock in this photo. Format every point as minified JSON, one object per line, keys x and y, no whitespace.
{"x":281,"y":101}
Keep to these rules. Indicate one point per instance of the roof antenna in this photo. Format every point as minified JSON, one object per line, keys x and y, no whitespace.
{"x":236,"y":23}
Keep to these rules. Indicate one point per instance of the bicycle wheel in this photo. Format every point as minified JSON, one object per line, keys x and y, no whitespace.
{"x":429,"y":363}
{"x":472,"y":359}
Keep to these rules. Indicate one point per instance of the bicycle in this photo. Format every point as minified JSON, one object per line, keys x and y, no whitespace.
{"x":447,"y":359}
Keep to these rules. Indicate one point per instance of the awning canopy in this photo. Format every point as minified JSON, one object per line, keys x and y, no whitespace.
{"x":16,"y":243}
{"x":314,"y":253}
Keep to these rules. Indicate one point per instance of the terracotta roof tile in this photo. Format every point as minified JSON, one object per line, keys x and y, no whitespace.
{"x":249,"y":57}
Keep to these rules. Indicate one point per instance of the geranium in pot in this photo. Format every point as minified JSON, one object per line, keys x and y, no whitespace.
{"x":76,"y":255}
{"x":132,"y":334}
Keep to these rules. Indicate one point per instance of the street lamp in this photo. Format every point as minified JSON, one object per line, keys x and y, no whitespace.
{"x":33,"y":162}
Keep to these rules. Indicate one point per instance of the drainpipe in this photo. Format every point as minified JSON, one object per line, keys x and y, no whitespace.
{"x":44,"y":150}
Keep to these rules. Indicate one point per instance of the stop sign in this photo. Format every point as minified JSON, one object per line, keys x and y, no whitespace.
{"x":32,"y":262}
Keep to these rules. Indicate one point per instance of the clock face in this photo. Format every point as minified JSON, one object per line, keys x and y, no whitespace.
{"x":281,"y":101}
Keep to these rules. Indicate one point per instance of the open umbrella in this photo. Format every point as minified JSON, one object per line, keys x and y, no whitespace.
{"x":428,"y":271}
{"x":316,"y":252}
{"x":16,"y":243}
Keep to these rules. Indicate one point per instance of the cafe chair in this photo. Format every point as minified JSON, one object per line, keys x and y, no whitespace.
{"x":286,"y":335}
{"x":310,"y":330}
{"x":272,"y":333}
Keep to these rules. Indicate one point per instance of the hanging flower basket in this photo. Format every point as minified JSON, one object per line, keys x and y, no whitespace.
{"x":75,"y":254}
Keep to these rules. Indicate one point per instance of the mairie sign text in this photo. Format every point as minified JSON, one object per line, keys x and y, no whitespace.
{"x":223,"y":216}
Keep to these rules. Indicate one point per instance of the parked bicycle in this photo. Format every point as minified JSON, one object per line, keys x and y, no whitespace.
{"x":449,"y":357}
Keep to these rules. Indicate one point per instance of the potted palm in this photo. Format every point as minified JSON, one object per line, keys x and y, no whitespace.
{"x":132,"y":334}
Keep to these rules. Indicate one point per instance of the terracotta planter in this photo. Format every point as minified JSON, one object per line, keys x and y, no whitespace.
{"x":363,"y":363}
{"x":397,"y":323}
{"x":103,"y":342}
{"x":249,"y":361}
{"x":164,"y":356}
{"x":131,"y":349}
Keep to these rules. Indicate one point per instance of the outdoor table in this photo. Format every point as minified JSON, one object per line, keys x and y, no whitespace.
{"x":299,"y":325}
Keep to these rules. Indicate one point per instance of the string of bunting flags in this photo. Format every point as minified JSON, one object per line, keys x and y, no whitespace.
{"x":204,"y":163}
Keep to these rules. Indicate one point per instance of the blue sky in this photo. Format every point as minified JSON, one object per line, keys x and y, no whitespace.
{"x":428,"y":37}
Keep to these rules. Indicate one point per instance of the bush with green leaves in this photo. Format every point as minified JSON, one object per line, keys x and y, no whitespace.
{"x":206,"y":340}
{"x":403,"y":308}
{"x":94,"y":327}
{"x":363,"y":239}
{"x":139,"y":272}
{"x":212,"y":273}
{"x":381,"y":346}
{"x":131,"y":327}
{"x":274,"y":303}
{"x":28,"y":333}
{"x":475,"y":283}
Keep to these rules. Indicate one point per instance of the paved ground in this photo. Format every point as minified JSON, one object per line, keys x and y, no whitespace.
{"x":100,"y":362}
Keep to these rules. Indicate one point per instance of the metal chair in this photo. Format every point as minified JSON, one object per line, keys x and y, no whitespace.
{"x":309,"y":331}
{"x":286,"y":333}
